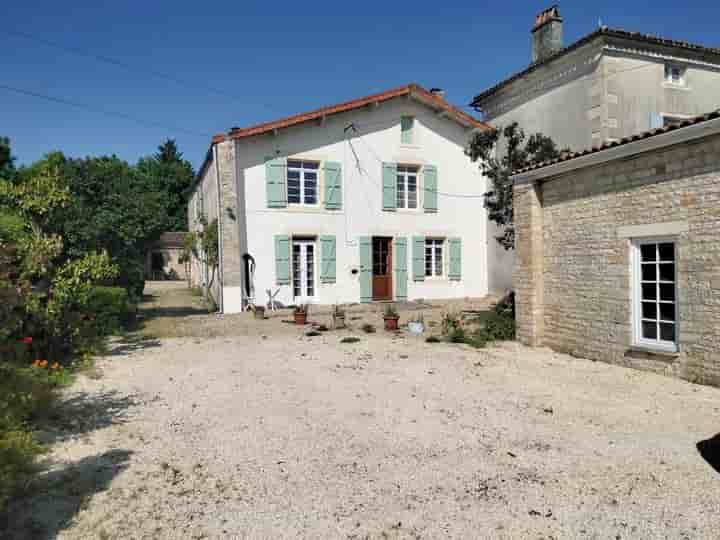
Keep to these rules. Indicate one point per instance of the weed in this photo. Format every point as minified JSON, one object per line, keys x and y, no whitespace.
{"x":432,"y":339}
{"x":350,"y":339}
{"x":368,"y":328}
{"x":322,"y":328}
{"x":313,"y":333}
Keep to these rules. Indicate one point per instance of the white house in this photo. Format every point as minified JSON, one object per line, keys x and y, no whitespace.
{"x":373,"y":199}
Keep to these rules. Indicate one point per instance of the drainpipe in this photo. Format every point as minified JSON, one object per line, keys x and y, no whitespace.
{"x":220,"y":231}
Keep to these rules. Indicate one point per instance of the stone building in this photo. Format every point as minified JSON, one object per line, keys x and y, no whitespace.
{"x":162,"y":261}
{"x":618,"y":251}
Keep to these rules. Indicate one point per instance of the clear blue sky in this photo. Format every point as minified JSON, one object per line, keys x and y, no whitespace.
{"x":270,"y":59}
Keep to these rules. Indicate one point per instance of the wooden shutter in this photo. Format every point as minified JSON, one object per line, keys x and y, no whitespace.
{"x":389,"y":187}
{"x":455,"y":266}
{"x":430,"y":186}
{"x":401,"y":272}
{"x":418,"y":255}
{"x":328,"y":259}
{"x":365,"y":269}
{"x":282,"y":260}
{"x":275,"y":175}
{"x":333,"y":185}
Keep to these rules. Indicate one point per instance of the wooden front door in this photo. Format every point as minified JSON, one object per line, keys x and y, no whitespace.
{"x":382,"y":287}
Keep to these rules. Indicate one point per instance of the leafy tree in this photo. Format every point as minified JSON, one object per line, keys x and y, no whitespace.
{"x":516,"y":151}
{"x":7,"y":161}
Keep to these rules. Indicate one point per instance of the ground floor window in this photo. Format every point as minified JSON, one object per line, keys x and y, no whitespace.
{"x":434,"y":257}
{"x":303,"y":267}
{"x":655,"y":292}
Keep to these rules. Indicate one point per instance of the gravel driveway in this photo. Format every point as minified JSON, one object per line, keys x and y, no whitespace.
{"x":280,"y":435}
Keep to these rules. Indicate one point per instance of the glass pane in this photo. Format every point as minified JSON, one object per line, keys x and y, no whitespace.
{"x":667,"y":331}
{"x":649,"y":291}
{"x":667,"y":272}
{"x":649,"y":310}
{"x":313,"y":165}
{"x":667,"y":291}
{"x":667,"y":252}
{"x":310,"y":176}
{"x":293,"y":174}
{"x":649,"y":330}
{"x":647,"y":252}
{"x":438,"y":261}
{"x":667,"y":312}
{"x":649,"y":272}
{"x":293,"y":163}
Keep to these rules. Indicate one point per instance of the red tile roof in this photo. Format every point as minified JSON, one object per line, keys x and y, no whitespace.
{"x":567,"y":156}
{"x":415,"y":90}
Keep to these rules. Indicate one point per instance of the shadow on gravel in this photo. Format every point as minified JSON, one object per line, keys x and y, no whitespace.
{"x":710,"y":451}
{"x":131,"y":343}
{"x":53,"y":499}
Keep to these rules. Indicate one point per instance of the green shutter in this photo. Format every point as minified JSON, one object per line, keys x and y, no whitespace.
{"x":418,"y":255}
{"x":455,"y":267}
{"x":328,"y":259}
{"x":275,"y":174}
{"x":430,"y":178}
{"x":406,"y":129}
{"x":282,"y":260}
{"x":401,"y":273}
{"x":389,"y":187}
{"x":333,"y":185}
{"x":365,"y":269}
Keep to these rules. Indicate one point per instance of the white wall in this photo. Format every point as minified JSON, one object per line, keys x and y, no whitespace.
{"x":438,"y":141}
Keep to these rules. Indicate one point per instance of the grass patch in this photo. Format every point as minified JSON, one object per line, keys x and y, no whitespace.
{"x":350,"y":339}
{"x":368,"y":328}
{"x":313,"y":333}
{"x":433,"y":339}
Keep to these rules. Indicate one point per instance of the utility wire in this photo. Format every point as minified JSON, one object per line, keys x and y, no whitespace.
{"x":91,"y":108}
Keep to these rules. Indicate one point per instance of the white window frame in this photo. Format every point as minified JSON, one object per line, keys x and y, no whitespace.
{"x":418,"y":190}
{"x":669,"y":68}
{"x":301,"y":170}
{"x":638,"y":341}
{"x":433,"y":241}
{"x":304,"y":241}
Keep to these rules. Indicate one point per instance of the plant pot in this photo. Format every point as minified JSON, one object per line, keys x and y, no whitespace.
{"x":416,"y":327}
{"x":259,"y":312}
{"x":391,"y":323}
{"x":338,"y":322}
{"x":300,"y":317}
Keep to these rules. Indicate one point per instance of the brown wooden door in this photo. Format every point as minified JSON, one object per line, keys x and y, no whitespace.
{"x":382,"y":268}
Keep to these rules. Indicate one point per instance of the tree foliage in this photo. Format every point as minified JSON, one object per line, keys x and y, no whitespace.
{"x":7,"y":161}
{"x":501,"y":152}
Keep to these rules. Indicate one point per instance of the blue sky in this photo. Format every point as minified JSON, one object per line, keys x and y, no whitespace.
{"x":268,"y":60}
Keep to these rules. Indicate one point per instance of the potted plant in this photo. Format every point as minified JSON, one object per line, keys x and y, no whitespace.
{"x":300,"y":314}
{"x":416,"y":325}
{"x":391,"y":318}
{"x":338,"y":317}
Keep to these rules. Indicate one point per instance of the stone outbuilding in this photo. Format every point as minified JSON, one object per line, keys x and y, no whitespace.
{"x":162,"y":261}
{"x":618,"y":251}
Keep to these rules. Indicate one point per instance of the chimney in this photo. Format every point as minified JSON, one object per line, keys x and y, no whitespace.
{"x":439,"y":92}
{"x":547,"y":34}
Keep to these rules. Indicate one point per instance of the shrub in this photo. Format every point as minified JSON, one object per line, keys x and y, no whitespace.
{"x":18,"y":451}
{"x":457,"y":335}
{"x":111,"y":309}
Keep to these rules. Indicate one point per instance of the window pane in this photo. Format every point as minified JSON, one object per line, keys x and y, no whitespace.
{"x":667,"y":252}
{"x":649,"y":310}
{"x":667,"y":312}
{"x":438,"y":261}
{"x":295,"y":164}
{"x":647,"y":252}
{"x":293,"y":174}
{"x":649,"y":330}
{"x":310,"y":165}
{"x":649,"y":291}
{"x":648,"y":272}
{"x":400,"y":191}
{"x":667,"y":291}
{"x":667,"y":331}
{"x":667,"y":272}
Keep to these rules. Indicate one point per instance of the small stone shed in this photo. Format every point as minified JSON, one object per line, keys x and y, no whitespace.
{"x":162,"y":261}
{"x":618,"y":251}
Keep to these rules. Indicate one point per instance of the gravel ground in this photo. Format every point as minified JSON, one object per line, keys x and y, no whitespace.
{"x":273,"y":434}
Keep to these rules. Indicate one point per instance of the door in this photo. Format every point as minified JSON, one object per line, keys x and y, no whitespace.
{"x":303,"y":258}
{"x":382,"y":268}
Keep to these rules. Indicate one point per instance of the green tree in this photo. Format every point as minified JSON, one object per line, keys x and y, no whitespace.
{"x":501,"y":152}
{"x":7,"y":161}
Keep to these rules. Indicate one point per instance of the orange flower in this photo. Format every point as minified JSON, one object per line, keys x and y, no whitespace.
{"x":55,"y":366}
{"x":43,"y":363}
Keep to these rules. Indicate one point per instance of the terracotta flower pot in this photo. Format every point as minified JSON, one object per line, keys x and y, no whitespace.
{"x":391,"y":322}
{"x":300,"y":317}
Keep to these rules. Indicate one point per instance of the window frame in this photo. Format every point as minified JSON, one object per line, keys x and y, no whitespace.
{"x":302,"y":240}
{"x":418,"y":189}
{"x":318,"y":182}
{"x":637,"y":319}
{"x":433,"y":240}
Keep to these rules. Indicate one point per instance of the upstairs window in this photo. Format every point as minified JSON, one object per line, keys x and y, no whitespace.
{"x":302,"y":182}
{"x":407,"y":123}
{"x":655,"y":290}
{"x":675,"y":74}
{"x":407,"y":186}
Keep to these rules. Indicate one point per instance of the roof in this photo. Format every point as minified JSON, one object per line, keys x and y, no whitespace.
{"x":414,"y":90}
{"x":602,"y":31}
{"x":568,"y":156}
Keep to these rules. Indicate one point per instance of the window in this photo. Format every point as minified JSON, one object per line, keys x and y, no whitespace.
{"x":675,"y":74}
{"x":406,"y":129}
{"x":655,"y":293}
{"x":407,"y":186}
{"x":434,"y":251}
{"x":302,"y":182}
{"x":303,"y":268}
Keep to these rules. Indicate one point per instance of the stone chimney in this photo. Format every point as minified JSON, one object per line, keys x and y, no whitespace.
{"x":547,"y":34}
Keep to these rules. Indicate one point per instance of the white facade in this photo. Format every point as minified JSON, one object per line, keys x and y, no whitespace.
{"x":437,"y":143}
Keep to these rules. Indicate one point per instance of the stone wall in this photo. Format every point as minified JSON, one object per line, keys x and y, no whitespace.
{"x":574,"y":273}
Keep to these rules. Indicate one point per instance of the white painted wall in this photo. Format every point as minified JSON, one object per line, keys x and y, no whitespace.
{"x":438,"y":141}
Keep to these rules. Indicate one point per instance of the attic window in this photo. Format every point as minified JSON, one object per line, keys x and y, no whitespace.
{"x":675,"y":74}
